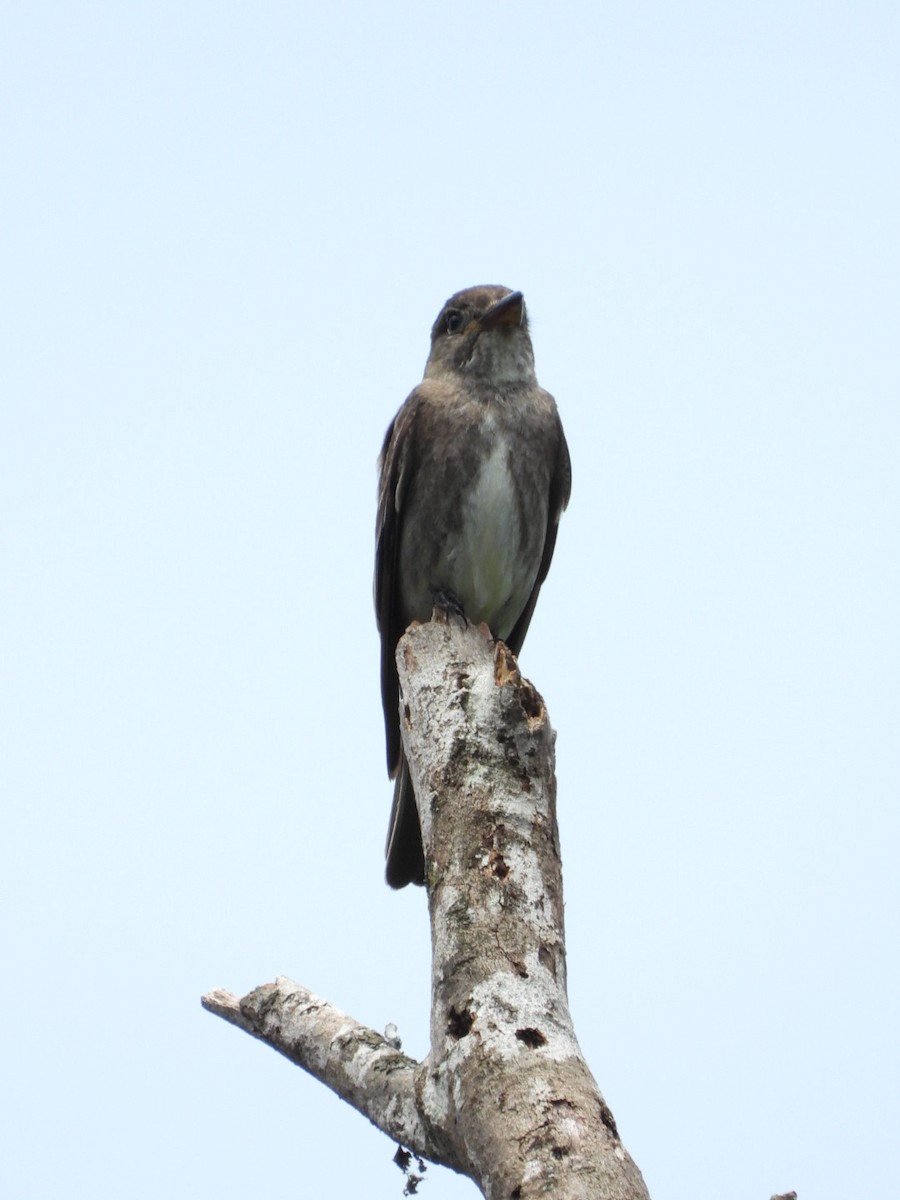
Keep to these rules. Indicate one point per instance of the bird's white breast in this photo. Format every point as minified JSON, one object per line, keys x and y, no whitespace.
{"x":486,"y":563}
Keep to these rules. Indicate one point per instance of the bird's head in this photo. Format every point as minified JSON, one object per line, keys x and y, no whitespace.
{"x":483,"y":332}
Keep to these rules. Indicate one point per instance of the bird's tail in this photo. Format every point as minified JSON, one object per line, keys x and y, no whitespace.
{"x":404,"y":852}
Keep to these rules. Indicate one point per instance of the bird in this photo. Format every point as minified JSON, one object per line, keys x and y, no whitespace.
{"x":473,"y":475}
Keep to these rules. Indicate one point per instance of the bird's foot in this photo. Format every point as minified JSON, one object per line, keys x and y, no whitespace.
{"x":447,"y":605}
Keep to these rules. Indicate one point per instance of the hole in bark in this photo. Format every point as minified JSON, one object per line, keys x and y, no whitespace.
{"x":559,"y":1151}
{"x":497,"y":865}
{"x":515,"y":1194}
{"x":531,"y":1037}
{"x":459,"y":1023}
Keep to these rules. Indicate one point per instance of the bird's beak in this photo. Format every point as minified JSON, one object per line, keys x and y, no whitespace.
{"x":508,"y":311}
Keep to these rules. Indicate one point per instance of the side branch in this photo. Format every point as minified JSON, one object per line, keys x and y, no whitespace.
{"x":357,"y":1063}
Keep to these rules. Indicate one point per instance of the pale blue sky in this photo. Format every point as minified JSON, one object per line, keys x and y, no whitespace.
{"x":224,"y":233}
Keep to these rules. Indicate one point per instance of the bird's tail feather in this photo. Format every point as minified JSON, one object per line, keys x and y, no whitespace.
{"x":404,"y":852}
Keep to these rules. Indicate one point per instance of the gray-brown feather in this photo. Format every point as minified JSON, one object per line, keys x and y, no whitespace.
{"x":474,"y":473}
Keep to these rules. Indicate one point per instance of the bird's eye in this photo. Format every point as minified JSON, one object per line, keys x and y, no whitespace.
{"x":454,"y":321}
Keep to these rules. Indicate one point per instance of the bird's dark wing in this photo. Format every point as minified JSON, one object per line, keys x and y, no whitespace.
{"x":560,"y":490}
{"x":394,"y":476}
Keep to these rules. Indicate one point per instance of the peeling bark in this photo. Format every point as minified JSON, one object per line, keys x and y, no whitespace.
{"x":504,"y":1096}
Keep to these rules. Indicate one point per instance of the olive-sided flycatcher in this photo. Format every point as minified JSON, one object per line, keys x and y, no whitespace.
{"x":473,"y":475}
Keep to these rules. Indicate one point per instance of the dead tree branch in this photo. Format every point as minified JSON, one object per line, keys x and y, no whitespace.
{"x":504,"y":1095}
